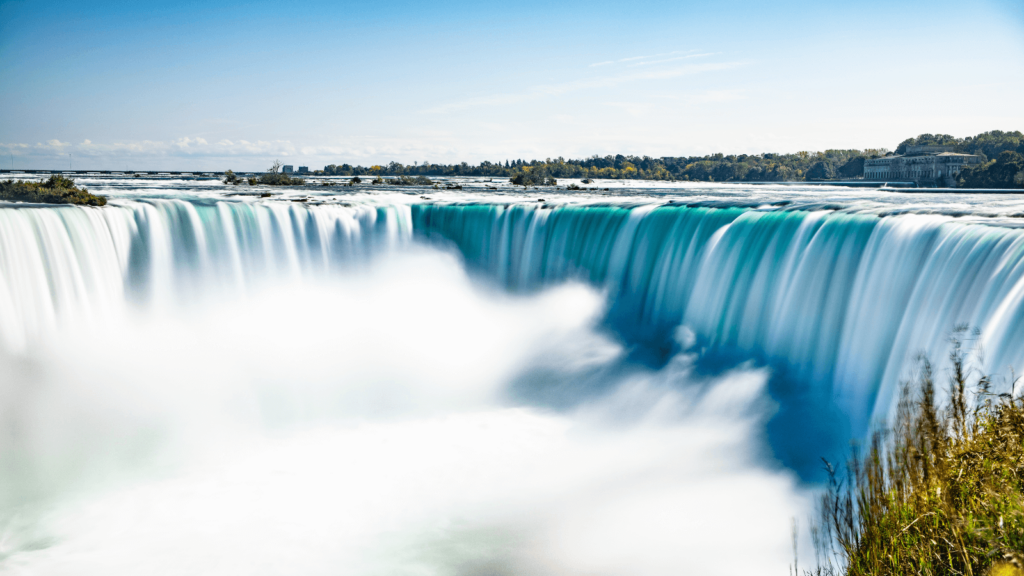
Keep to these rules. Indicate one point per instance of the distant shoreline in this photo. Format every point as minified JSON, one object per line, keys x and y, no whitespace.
{"x":903,"y":187}
{"x":990,"y":160}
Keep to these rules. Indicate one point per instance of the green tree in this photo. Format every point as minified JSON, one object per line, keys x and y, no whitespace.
{"x":853,"y":168}
{"x":1006,"y":171}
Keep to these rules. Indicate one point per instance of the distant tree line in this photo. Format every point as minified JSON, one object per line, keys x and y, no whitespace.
{"x":767,"y":167}
{"x":829,"y":164}
{"x":987,"y":144}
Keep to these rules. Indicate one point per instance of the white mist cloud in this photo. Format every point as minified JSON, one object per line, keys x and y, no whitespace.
{"x":361,"y":425}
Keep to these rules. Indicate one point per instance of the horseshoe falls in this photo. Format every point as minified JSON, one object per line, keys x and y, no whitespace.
{"x":378,"y":383}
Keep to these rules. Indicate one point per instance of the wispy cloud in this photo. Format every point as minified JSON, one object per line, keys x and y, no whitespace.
{"x":706,"y":96}
{"x":547,"y":90}
{"x":639,"y":108}
{"x":185,"y":146}
{"x":719,"y":96}
{"x":633,"y":108}
{"x":635,"y":58}
{"x":199,"y":153}
{"x":672,"y":59}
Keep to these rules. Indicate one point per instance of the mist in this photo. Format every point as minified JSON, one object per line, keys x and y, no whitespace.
{"x":373,"y":422}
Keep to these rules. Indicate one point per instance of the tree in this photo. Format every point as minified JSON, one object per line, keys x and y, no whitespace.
{"x":928,"y":140}
{"x":719,"y":167}
{"x":821,"y":170}
{"x":992,"y":143}
{"x":1006,"y":171}
{"x":854,"y":168}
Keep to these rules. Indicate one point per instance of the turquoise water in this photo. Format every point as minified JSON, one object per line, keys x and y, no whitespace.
{"x":840,"y":298}
{"x":837,"y":299}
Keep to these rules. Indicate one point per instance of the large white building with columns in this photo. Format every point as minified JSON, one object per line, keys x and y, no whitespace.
{"x":935,"y":165}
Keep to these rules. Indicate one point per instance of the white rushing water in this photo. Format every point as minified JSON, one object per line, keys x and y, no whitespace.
{"x":379,"y":383}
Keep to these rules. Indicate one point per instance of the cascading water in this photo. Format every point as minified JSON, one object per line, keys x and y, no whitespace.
{"x":59,"y":264}
{"x":840,"y":301}
{"x":342,"y":374}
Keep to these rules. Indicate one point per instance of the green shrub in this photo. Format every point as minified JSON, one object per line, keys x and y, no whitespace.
{"x":853,"y":168}
{"x":414,"y":181}
{"x":56,"y":190}
{"x":278,"y":179}
{"x":941,"y":492}
{"x":532,"y":178}
{"x":822,"y":170}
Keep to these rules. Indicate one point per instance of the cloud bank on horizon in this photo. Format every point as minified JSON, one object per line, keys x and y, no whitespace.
{"x":108,"y":85}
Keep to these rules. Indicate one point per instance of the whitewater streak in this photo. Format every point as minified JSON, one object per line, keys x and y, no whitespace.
{"x":68,"y":263}
{"x":837,"y":300}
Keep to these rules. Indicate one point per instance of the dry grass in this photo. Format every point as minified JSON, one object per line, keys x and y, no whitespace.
{"x":940,"y":492}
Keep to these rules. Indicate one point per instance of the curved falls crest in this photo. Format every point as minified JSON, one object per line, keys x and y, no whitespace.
{"x":837,"y":301}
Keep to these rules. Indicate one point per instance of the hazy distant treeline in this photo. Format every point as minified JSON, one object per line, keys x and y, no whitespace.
{"x":713,"y":168}
{"x":768,"y":167}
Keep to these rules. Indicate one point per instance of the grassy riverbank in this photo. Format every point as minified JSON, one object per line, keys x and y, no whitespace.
{"x":56,"y":190}
{"x":941,"y":492}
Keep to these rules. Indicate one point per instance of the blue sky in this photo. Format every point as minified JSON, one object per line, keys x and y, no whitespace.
{"x":214,"y":85}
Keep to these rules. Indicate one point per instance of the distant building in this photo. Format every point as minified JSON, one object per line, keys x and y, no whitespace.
{"x":303,"y":169}
{"x":287,"y":169}
{"x":937,"y":165}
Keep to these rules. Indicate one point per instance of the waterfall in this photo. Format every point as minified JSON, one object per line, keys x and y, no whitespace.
{"x":70,"y":263}
{"x":839,"y":300}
